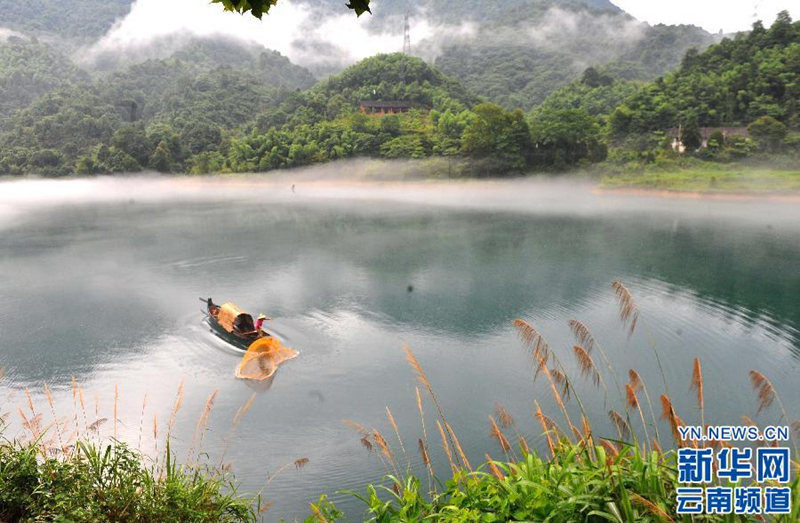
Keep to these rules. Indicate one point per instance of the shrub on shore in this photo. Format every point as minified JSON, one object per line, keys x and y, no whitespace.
{"x":111,"y":483}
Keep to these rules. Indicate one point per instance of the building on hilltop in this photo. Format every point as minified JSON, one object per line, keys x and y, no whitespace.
{"x":380,"y":108}
{"x":675,"y":133}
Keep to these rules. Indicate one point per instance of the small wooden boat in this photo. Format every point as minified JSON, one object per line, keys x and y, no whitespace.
{"x":232,"y":324}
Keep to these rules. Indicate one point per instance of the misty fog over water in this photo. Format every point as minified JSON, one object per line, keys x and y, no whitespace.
{"x":100,"y":280}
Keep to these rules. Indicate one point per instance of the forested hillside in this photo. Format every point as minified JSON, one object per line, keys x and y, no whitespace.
{"x":29,"y":69}
{"x":156,"y":114}
{"x":732,"y":83}
{"x":516,"y":73}
{"x":514,"y":52}
{"x":521,"y":50}
{"x":80,"y":19}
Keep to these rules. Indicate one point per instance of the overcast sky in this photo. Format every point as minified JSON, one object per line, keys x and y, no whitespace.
{"x":712,"y":15}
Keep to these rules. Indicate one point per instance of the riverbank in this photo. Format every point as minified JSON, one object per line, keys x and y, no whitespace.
{"x":712,"y":179}
{"x":689,"y":176}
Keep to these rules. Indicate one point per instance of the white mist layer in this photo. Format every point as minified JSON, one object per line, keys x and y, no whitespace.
{"x":293,"y":29}
{"x":349,"y":181}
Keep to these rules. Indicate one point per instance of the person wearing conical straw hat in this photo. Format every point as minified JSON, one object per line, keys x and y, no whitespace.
{"x":260,"y":321}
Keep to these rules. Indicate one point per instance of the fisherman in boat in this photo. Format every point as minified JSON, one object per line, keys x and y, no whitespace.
{"x":260,"y":322}
{"x":213,"y":308}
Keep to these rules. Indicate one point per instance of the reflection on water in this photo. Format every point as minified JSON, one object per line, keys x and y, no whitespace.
{"x":106,"y":291}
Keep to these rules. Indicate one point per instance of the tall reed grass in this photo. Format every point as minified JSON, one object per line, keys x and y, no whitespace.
{"x":574,"y":476}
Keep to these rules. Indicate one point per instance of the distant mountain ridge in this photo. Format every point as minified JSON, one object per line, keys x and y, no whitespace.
{"x":515,"y":52}
{"x":518,"y":51}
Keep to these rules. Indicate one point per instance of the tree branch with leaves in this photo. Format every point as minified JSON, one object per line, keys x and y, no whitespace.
{"x":258,"y":8}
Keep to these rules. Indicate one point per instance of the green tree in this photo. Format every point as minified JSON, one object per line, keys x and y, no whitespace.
{"x":768,"y":132}
{"x":495,"y":133}
{"x":564,"y":137}
{"x":691,"y":137}
{"x":132,"y":140}
{"x":162,"y":160}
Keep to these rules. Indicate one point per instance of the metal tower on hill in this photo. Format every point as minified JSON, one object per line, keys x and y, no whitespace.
{"x":406,"y":36}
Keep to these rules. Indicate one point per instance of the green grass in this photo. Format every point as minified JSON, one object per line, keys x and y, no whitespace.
{"x":110,"y":483}
{"x":721,"y":179}
{"x":580,"y":483}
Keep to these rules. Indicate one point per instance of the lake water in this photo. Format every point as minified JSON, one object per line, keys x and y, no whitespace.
{"x":100,"y":279}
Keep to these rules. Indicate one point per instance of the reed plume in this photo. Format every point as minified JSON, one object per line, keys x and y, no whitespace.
{"x":355,"y":426}
{"x":541,"y":417}
{"x":499,"y":436}
{"x":423,"y":451}
{"x":378,"y":438}
{"x":587,"y":430}
{"x":82,"y":403}
{"x":503,"y":416}
{"x":241,"y":411}
{"x":666,"y":407}
{"x":202,"y":422}
{"x":766,"y":392}
{"x":630,"y":396}
{"x":446,"y":448}
{"x":632,"y":402}
{"x":421,"y":414}
{"x":300,"y":463}
{"x":74,"y":385}
{"x":412,"y":360}
{"x":637,"y":383}
{"x":587,"y":366}
{"x":155,"y":438}
{"x":657,"y":446}
{"x":635,"y":380}
{"x":396,"y":431}
{"x":540,"y":350}
{"x":628,"y":310}
{"x":30,"y":402}
{"x":366,"y":443}
{"x":95,"y":425}
{"x":610,"y":448}
{"x":52,"y":404}
{"x":651,"y":507}
{"x":796,"y":427}
{"x":461,"y":454}
{"x":533,"y":339}
{"x":697,"y":386}
{"x":561,"y":379}
{"x":582,"y":334}
{"x":176,"y":407}
{"x":541,"y":363}
{"x":668,"y":413}
{"x":697,"y":382}
{"x":493,"y":468}
{"x":28,"y":423}
{"x":141,"y":422}
{"x":623,"y":429}
{"x":523,"y":445}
